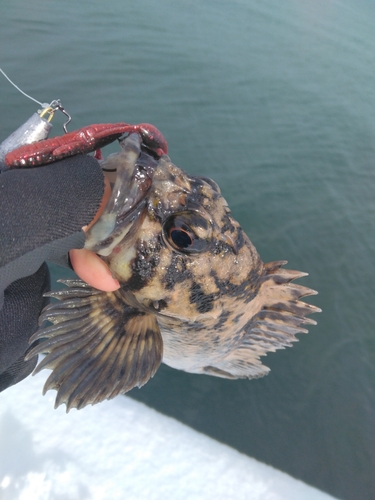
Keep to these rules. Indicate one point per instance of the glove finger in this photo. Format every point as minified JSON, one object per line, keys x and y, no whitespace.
{"x":23,"y":302}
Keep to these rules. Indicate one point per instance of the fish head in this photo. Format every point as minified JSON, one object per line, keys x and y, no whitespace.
{"x":182,"y":247}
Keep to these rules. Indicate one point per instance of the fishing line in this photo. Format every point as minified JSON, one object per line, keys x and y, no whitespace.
{"x":22,"y":92}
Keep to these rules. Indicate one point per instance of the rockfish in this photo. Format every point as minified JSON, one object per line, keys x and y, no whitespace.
{"x":194,"y":292}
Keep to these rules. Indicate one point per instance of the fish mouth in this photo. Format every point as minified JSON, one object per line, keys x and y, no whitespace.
{"x":135,"y":169}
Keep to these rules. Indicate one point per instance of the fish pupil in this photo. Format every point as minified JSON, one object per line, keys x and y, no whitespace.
{"x":180,"y":237}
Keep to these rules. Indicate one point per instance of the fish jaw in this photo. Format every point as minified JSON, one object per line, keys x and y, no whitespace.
{"x":134,"y":172}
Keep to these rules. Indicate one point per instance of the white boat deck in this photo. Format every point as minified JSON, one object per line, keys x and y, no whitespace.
{"x":121,"y":449}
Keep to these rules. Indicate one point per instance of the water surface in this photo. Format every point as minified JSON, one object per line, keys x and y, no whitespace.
{"x":276,"y":102}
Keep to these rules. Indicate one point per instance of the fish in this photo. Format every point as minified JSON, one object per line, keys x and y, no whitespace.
{"x":194,"y":291}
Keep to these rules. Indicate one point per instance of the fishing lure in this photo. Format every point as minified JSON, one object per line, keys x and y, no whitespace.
{"x":28,"y":146}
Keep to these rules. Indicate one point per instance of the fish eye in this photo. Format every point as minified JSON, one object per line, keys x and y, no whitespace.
{"x":181,"y":237}
{"x":179,"y":233}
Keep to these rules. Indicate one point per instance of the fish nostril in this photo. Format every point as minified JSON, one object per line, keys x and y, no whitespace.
{"x":212,"y":183}
{"x":226,"y":238}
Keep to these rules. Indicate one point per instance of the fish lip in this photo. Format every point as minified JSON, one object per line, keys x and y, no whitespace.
{"x":135,"y":170}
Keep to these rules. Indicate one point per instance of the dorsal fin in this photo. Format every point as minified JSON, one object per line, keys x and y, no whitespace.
{"x":279,"y":317}
{"x":98,"y":346}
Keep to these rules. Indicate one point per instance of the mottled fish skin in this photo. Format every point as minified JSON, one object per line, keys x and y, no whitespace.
{"x":194,"y":292}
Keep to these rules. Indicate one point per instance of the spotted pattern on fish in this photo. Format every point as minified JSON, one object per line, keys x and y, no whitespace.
{"x":194,"y":292}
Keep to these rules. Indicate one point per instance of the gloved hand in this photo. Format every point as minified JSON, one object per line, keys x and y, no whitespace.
{"x":42,"y":212}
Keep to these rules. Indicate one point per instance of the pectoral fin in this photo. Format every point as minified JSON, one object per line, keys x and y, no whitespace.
{"x":98,"y":346}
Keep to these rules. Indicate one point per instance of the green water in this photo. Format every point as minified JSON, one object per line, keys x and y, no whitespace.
{"x":276,"y":102}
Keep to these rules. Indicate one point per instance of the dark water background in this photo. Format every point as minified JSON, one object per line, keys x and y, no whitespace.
{"x":276,"y":102}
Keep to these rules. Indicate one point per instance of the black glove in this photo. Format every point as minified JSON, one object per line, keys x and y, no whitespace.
{"x":42,"y":211}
